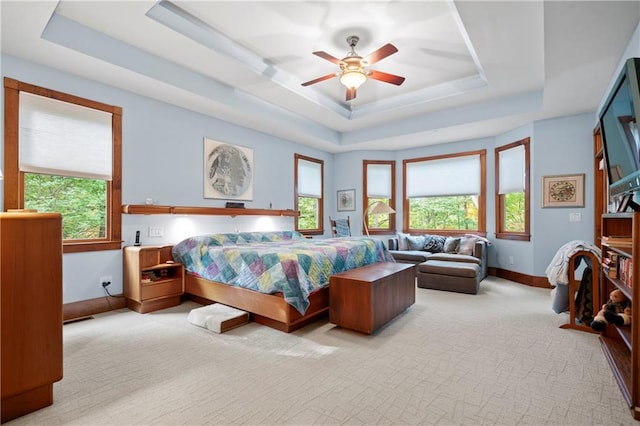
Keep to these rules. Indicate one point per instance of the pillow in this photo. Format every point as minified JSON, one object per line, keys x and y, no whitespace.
{"x":402,"y":241}
{"x":451,"y":244}
{"x":415,"y":243}
{"x":466,"y":245}
{"x":478,"y":237}
{"x":434,"y":243}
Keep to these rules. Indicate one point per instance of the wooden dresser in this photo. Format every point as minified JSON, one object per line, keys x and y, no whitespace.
{"x":31,"y":310}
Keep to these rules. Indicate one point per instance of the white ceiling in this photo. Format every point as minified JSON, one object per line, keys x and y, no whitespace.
{"x":473,"y":68}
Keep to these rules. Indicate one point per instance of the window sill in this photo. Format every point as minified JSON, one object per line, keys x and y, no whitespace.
{"x":87,"y":246}
{"x":512,"y":236}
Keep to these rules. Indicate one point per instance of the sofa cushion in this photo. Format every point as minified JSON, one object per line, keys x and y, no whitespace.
{"x":453,"y":257}
{"x":451,"y":244}
{"x":412,"y":256}
{"x":455,"y":269}
{"x":434,"y":243}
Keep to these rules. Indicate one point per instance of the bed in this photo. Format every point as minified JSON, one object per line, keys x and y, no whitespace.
{"x":281,"y":278}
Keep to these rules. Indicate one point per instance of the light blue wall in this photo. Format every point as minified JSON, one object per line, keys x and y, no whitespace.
{"x":562,"y":146}
{"x":162,"y":160}
{"x":558,"y":146}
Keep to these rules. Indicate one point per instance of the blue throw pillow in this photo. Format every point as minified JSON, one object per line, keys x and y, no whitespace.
{"x":415,"y":243}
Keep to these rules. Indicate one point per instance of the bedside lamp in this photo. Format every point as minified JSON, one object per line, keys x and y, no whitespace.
{"x":375,"y":209}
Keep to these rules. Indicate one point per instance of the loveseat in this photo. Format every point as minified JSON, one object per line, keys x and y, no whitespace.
{"x":417,"y":249}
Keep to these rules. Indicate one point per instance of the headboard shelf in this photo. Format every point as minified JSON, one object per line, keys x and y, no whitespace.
{"x":213,"y":211}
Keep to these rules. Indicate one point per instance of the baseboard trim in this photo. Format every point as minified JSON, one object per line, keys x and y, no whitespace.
{"x":85,"y":308}
{"x":540,"y":282}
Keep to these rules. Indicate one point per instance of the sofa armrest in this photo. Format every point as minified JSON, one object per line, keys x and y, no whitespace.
{"x":480,"y":251}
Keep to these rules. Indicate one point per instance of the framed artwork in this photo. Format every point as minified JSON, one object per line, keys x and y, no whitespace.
{"x":563,"y":191}
{"x":346,"y":200}
{"x":228,"y":171}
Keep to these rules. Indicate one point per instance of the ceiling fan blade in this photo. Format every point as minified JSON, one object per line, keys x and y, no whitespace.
{"x":351,"y":93}
{"x":319,"y":79}
{"x":330,"y":58}
{"x":383,"y":52}
{"x":386,"y":77}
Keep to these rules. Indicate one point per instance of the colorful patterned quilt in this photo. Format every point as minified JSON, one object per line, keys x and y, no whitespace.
{"x":277,"y":261}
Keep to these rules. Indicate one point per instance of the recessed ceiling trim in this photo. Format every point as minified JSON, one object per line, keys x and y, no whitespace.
{"x":181,"y":21}
{"x":419,"y":97}
{"x":523,"y":103}
{"x":467,"y":40}
{"x":75,"y":36}
{"x":177,"y":19}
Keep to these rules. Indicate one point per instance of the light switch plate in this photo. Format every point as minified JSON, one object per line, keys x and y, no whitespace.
{"x":575,"y":217}
{"x":156,"y":231}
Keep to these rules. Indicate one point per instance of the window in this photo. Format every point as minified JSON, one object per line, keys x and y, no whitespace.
{"x":512,"y":191}
{"x":379,"y":184}
{"x":63,"y":153}
{"x":308,"y":194}
{"x":445,"y":193}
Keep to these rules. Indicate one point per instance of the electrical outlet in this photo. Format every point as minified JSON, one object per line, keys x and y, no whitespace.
{"x":510,"y":260}
{"x":105,"y":281}
{"x":156,"y":231}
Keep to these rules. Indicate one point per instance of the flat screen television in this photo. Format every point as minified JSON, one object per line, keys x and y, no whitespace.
{"x":619,"y":120}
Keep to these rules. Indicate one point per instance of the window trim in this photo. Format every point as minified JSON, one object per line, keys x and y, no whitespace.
{"x":391,"y":229}
{"x":320,"y":230}
{"x":482,"y":205}
{"x":14,"y":179}
{"x":499,"y":198}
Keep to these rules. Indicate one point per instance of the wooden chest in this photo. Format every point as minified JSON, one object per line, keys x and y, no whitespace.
{"x":366,"y":298}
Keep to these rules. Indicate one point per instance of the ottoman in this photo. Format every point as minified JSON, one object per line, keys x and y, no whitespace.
{"x":460,"y":277}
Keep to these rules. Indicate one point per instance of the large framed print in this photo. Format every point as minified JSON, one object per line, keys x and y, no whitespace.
{"x":563,"y":191}
{"x":228,"y":171}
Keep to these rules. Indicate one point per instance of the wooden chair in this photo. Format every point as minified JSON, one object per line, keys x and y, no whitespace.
{"x":340,"y":227}
{"x":593,"y":261}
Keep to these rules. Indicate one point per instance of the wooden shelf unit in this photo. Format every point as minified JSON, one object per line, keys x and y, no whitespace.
{"x":620,"y":344}
{"x":212,"y":211}
{"x":152,"y":280}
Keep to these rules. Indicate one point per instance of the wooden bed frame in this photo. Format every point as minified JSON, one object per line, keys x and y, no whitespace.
{"x":266,"y":309}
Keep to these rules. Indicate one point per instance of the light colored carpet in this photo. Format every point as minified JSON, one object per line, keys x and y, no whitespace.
{"x":451,"y":359}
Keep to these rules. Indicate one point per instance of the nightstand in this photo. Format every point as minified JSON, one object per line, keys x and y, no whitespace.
{"x":152,"y":281}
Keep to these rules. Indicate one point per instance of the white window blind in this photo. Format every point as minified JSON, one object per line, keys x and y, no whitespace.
{"x":511,"y":170}
{"x":444,"y":177}
{"x":64,"y":139}
{"x":309,"y":179}
{"x":379,"y":180}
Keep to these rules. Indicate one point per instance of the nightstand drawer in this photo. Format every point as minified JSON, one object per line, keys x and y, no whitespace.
{"x":161,"y":289}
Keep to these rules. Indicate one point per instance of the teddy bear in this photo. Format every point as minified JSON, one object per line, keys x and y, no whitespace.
{"x":616,"y":311}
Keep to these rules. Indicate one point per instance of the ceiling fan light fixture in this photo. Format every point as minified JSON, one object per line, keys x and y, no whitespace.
{"x":352,"y":72}
{"x":352,"y":79}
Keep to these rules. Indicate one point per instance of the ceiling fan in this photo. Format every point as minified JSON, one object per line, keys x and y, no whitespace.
{"x":352,"y":67}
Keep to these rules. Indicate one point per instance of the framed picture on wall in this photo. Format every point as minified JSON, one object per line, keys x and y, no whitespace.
{"x":228,"y":171}
{"x":563,"y":191}
{"x":346,"y":200}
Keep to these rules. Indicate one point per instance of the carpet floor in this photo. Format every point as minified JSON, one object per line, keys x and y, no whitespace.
{"x":451,"y":359}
